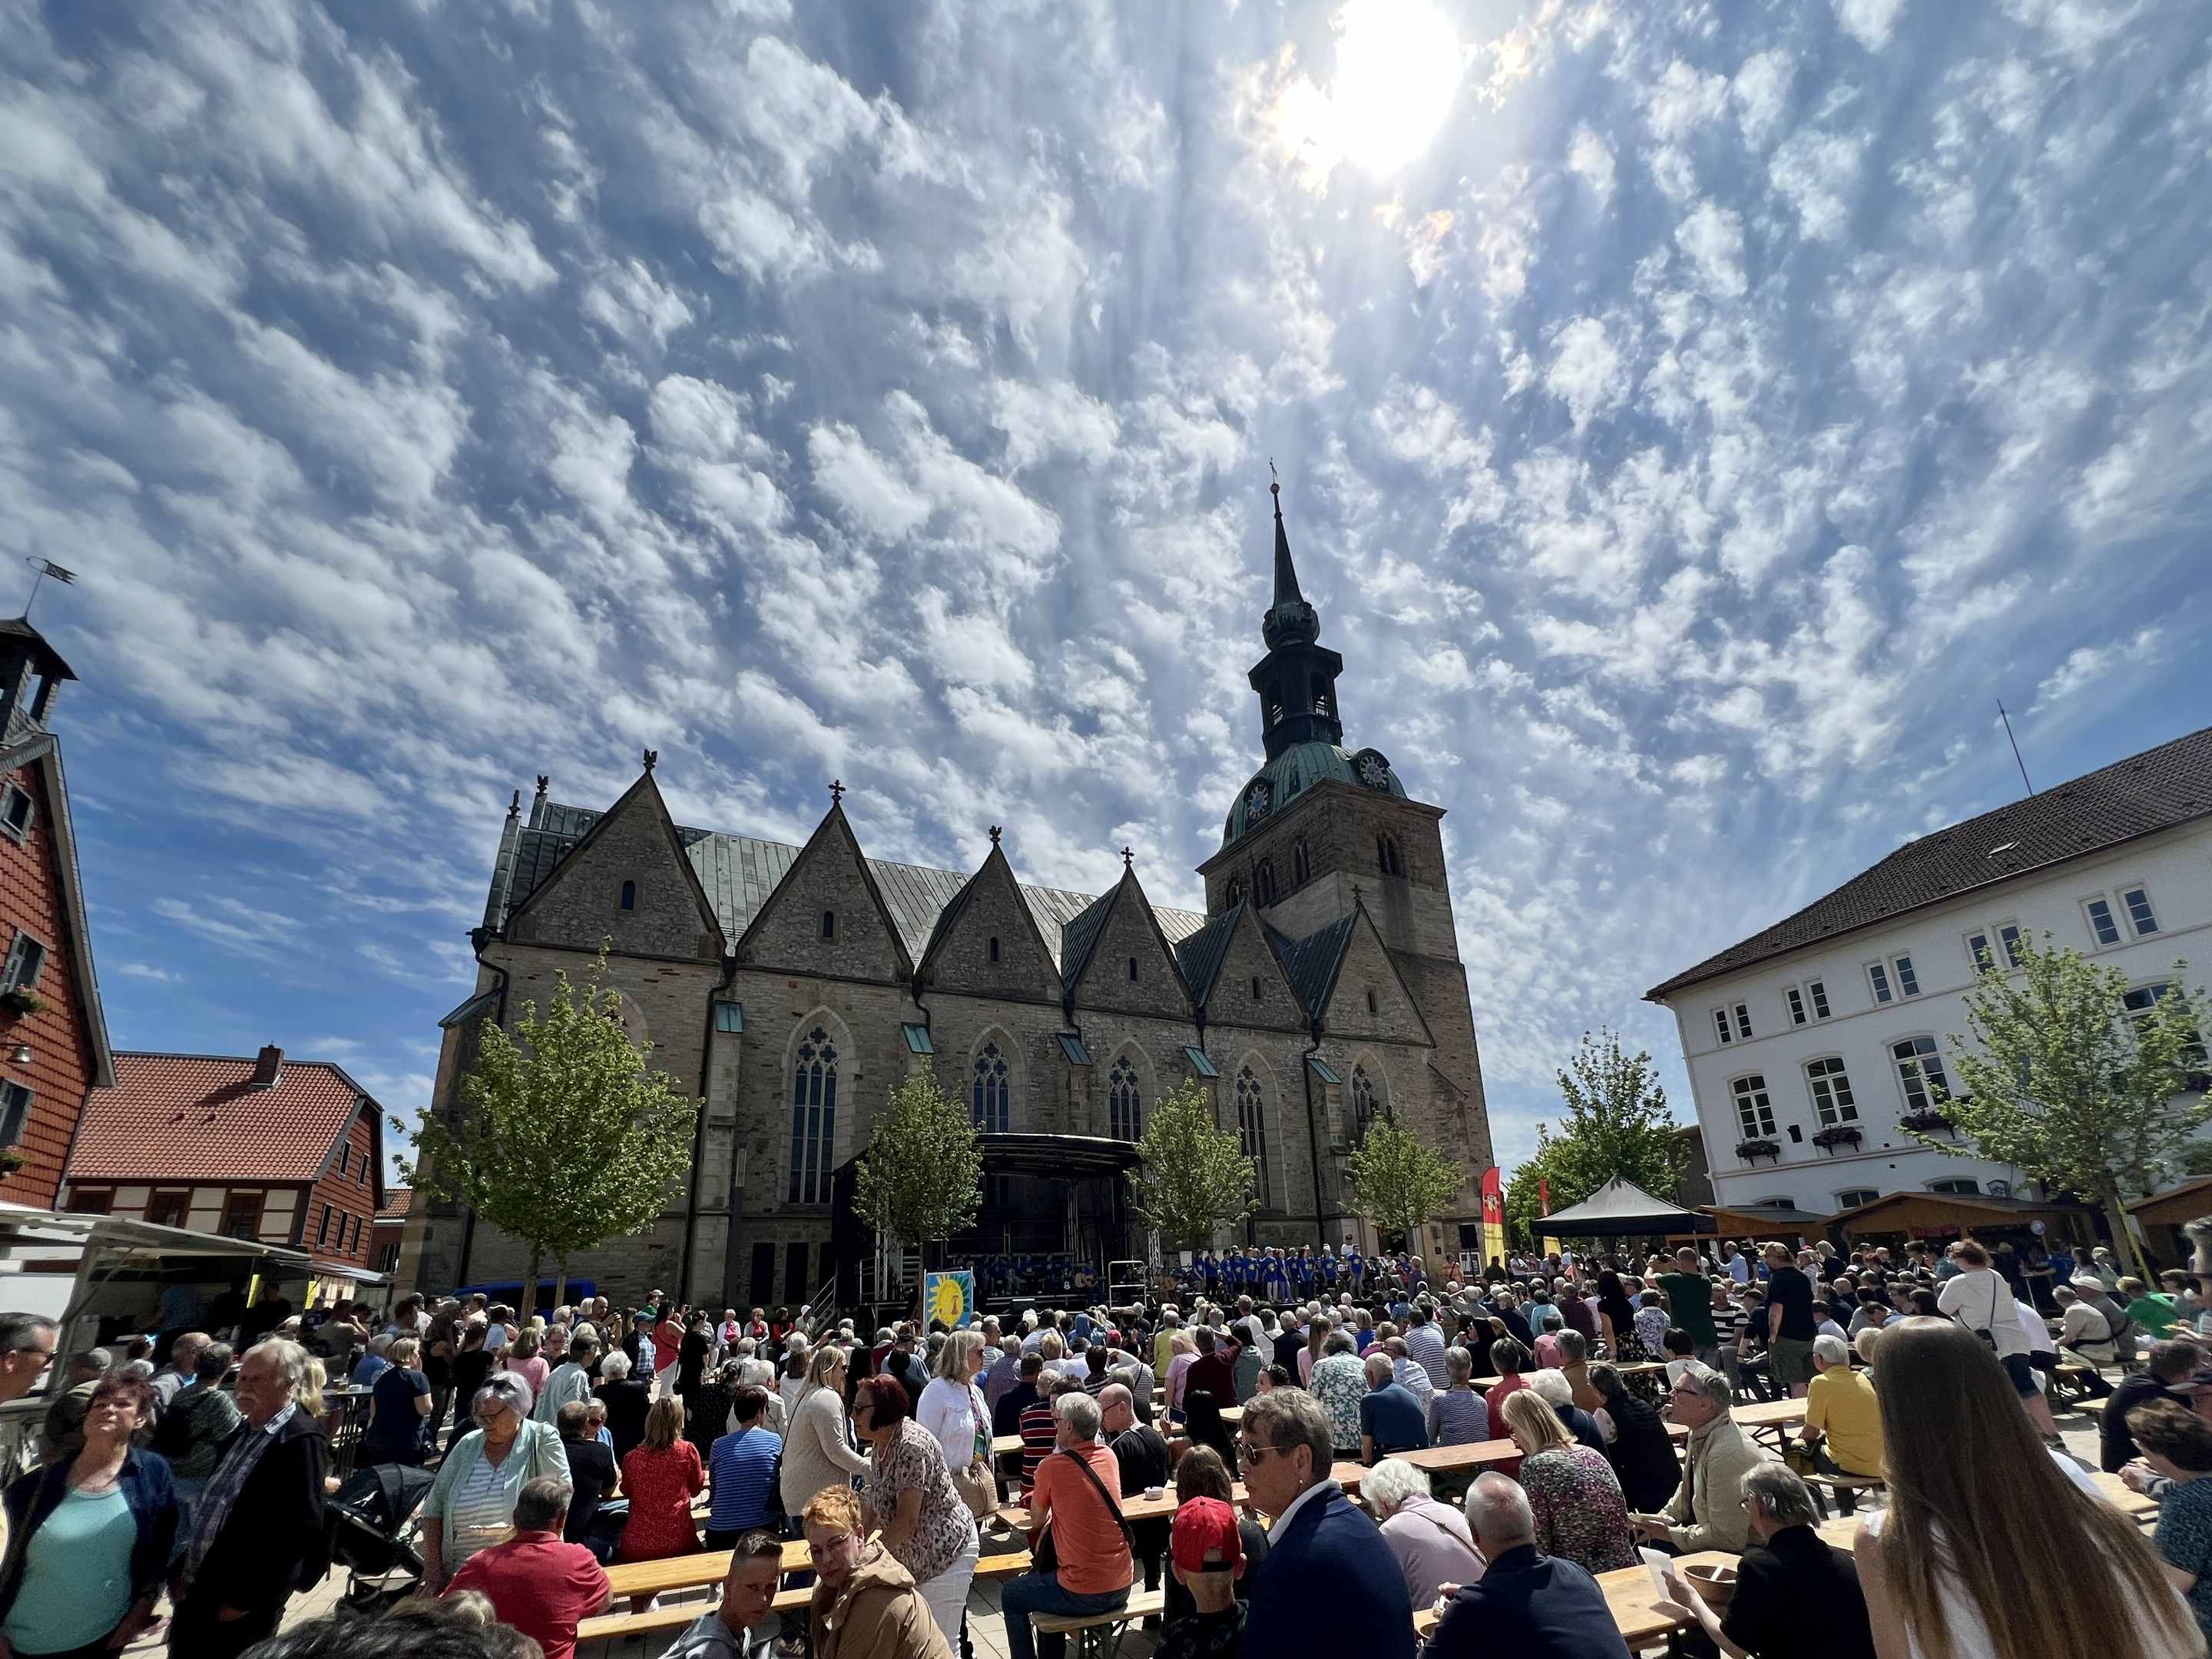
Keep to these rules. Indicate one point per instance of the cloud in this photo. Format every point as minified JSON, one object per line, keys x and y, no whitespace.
{"x":1585,"y":370}
{"x":2086,"y":665}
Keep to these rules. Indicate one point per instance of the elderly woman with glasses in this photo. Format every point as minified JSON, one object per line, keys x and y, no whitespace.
{"x":472,"y":1502}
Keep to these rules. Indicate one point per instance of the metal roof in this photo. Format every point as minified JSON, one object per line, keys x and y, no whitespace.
{"x":1311,"y":964}
{"x":2156,"y":790}
{"x":1202,"y":953}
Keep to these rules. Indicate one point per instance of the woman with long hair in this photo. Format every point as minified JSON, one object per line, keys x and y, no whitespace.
{"x":1572,"y":1491}
{"x":1616,"y":1321}
{"x":1988,"y":1547}
{"x":662,"y":1474}
{"x":817,"y":1447}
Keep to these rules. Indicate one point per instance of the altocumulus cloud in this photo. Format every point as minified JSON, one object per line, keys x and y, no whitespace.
{"x":1689,"y":429}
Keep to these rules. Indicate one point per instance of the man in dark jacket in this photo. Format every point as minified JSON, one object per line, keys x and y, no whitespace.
{"x":258,"y":1530}
{"x":1322,"y":1553}
{"x":1527,"y":1604}
{"x":1642,"y":1455}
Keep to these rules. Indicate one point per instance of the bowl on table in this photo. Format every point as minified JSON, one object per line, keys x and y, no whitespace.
{"x":1714,"y":1583}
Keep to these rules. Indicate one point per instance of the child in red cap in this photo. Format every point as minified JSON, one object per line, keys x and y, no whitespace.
{"x":1209,"y":1558}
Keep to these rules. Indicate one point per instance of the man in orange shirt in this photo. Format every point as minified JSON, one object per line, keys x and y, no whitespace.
{"x":1076,"y":1495}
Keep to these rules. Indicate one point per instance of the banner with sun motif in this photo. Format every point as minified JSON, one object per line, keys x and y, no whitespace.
{"x":948,"y":1298}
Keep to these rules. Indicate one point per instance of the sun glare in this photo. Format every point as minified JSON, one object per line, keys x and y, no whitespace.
{"x":1398,"y":64}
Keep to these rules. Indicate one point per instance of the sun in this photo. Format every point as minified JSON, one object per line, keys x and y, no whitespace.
{"x":1398,"y":67}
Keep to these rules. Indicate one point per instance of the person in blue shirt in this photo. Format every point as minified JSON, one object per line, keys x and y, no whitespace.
{"x":1355,"y":1269}
{"x":741,"y":1473}
{"x":1328,"y":1268}
{"x":1525,"y":1602}
{"x":1390,"y":1419}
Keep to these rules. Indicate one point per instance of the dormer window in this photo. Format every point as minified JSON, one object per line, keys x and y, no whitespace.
{"x":16,"y":810}
{"x":630,"y":896}
{"x":829,"y":924}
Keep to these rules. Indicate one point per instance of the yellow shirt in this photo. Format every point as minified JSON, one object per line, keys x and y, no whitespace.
{"x":1841,"y":1402}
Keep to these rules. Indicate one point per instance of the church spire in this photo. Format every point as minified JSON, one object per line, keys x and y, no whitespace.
{"x":1296,"y":679}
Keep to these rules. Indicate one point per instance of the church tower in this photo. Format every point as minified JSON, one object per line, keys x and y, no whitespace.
{"x":1321,"y":832}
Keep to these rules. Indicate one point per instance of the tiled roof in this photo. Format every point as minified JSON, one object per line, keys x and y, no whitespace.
{"x":195,"y":1118}
{"x":2155,"y":790}
{"x":740,"y":871}
{"x":1202,"y":954}
{"x":396,"y":1200}
{"x":1311,"y":963}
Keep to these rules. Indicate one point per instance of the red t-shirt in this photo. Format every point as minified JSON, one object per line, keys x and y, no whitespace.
{"x":539,"y":1585}
{"x":667,"y":1343}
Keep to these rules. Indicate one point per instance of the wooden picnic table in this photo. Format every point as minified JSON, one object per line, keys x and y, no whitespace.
{"x":1439,"y":1460}
{"x":1140,"y":1508}
{"x":1636,"y":1607}
{"x":690,"y":1571}
{"x":1640,"y":1367}
{"x":2113,"y":1490}
{"x":1767,"y":1417}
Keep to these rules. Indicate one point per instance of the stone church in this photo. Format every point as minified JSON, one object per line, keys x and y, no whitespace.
{"x":791,"y":988}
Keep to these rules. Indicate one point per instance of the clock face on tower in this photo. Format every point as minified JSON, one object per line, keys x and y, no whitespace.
{"x":1373,"y":770}
{"x":1257,"y":798}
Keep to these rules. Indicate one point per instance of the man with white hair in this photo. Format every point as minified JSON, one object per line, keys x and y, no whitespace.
{"x":1707,"y":1511}
{"x":1840,"y":1407}
{"x":1527,"y":1604}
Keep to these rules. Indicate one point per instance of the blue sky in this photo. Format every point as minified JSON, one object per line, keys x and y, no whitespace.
{"x":1693,"y":420}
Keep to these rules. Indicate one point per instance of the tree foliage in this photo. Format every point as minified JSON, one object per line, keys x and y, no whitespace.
{"x":566,"y":1137}
{"x":2060,"y":1079}
{"x":1194,"y":1176}
{"x":1616,"y":1122}
{"x":921,"y":1179}
{"x":1398,"y":1182}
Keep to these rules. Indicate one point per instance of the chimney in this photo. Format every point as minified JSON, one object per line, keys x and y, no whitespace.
{"x":268,"y":1067}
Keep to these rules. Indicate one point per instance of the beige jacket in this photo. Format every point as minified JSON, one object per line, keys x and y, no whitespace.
{"x":1707,"y":1509}
{"x":877,"y":1615}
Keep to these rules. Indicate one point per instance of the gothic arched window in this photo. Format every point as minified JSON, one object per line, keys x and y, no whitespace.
{"x":813,"y":1118}
{"x":1263,"y":881}
{"x":1317,"y":692}
{"x":1363,"y":1102}
{"x":1234,"y":894}
{"x":1301,"y":869}
{"x":829,"y":924}
{"x":1252,"y":1126}
{"x":1386,"y":856}
{"x":995,"y":948}
{"x":992,"y":1115}
{"x":1125,"y":1113}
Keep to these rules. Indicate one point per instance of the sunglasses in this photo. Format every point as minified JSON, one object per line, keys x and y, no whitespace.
{"x":1248,"y":1454}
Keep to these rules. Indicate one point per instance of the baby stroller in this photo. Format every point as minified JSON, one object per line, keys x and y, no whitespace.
{"x":372,"y":1527}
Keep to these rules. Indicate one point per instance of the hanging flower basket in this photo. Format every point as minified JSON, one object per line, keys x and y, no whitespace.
{"x":1749,"y":1150}
{"x":1842,"y":1135}
{"x":1928,"y":1123}
{"x":20,"y":1001}
{"x":10,"y":1162}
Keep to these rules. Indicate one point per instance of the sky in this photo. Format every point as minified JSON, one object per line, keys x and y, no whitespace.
{"x":1693,"y":420}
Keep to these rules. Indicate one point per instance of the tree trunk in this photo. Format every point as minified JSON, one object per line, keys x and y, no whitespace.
{"x":2123,"y":1242}
{"x":530,"y":1287}
{"x":561,"y":1281}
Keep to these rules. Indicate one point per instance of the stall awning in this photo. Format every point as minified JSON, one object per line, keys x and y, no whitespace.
{"x":2177,"y":1207}
{"x":1621,"y":1207}
{"x":1941,"y":1215}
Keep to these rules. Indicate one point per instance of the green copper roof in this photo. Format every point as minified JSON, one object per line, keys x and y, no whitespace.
{"x":1297,"y":770}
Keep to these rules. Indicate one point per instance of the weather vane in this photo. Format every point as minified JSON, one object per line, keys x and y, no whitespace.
{"x":994,"y":834}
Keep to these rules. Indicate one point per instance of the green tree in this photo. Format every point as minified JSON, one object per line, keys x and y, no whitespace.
{"x":1193,"y":1176}
{"x":566,"y":1137}
{"x":1616,"y":1123}
{"x":1398,"y":1182}
{"x":2062,"y":1080}
{"x":921,"y":1179}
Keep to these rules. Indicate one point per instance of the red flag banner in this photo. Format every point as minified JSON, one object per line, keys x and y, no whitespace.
{"x":1543,"y":1196}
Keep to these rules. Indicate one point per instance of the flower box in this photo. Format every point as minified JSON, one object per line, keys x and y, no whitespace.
{"x":1927,"y":1123}
{"x":23,"y":1000}
{"x":1842,"y":1134}
{"x":1749,"y":1150}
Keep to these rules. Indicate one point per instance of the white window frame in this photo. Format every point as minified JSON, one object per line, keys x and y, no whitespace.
{"x":1742,"y":1012}
{"x":1898,"y":1063}
{"x":10,"y":793}
{"x":1828,"y":1111}
{"x":1795,"y":999}
{"x":1850,"y":1198}
{"x":1817,"y":992}
{"x":1754,"y":1106}
{"x":2139,"y":889}
{"x":2089,"y":907}
{"x":1907,"y":977}
{"x":1981,"y":953}
{"x":1877,"y":976}
{"x":1721,"y":1029}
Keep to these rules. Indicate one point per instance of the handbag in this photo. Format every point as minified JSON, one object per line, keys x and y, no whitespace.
{"x":1045,"y":1557}
{"x":977,"y":1483}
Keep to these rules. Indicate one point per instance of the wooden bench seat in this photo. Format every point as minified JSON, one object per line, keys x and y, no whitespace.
{"x":677,"y":1614}
{"x":1099,"y":1634}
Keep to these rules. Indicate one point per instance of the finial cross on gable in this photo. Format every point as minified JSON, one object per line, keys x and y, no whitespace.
{"x":1129,"y":859}
{"x":836,"y":792}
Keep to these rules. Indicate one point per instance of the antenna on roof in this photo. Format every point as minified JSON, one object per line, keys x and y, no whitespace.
{"x":2014,"y":742}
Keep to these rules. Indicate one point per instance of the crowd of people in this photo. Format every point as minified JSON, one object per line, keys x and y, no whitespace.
{"x":591,"y":1435}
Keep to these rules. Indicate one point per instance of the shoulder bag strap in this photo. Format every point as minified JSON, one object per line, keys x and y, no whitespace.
{"x":1112,"y":1507}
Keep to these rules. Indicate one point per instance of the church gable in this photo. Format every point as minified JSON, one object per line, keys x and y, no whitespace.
{"x":1129,"y":968}
{"x":1368,"y":999}
{"x":1248,"y":963}
{"x":986,"y":942}
{"x":827,"y":916}
{"x":626,"y":885}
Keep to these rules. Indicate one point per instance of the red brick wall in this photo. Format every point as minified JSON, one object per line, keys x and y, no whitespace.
{"x":352,"y":1201}
{"x":60,"y":1070}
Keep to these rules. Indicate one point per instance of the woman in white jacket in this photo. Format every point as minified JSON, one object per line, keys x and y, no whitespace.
{"x":817,"y":1451}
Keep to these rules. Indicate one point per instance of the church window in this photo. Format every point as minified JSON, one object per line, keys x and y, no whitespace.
{"x":630,"y":896}
{"x":829,"y":924}
{"x":1274,"y":701}
{"x":1255,"y":987}
{"x":995,"y":948}
{"x":1235,"y":895}
{"x":1252,"y":1127}
{"x":813,"y":1118}
{"x":1317,"y":693}
{"x":993,"y":1114}
{"x":1386,"y":856}
{"x":1124,"y":1108}
{"x":1132,"y":968}
{"x":1363,"y":1101}
{"x":1370,"y":1000}
{"x":1263,"y":881}
{"x":1301,"y":871}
